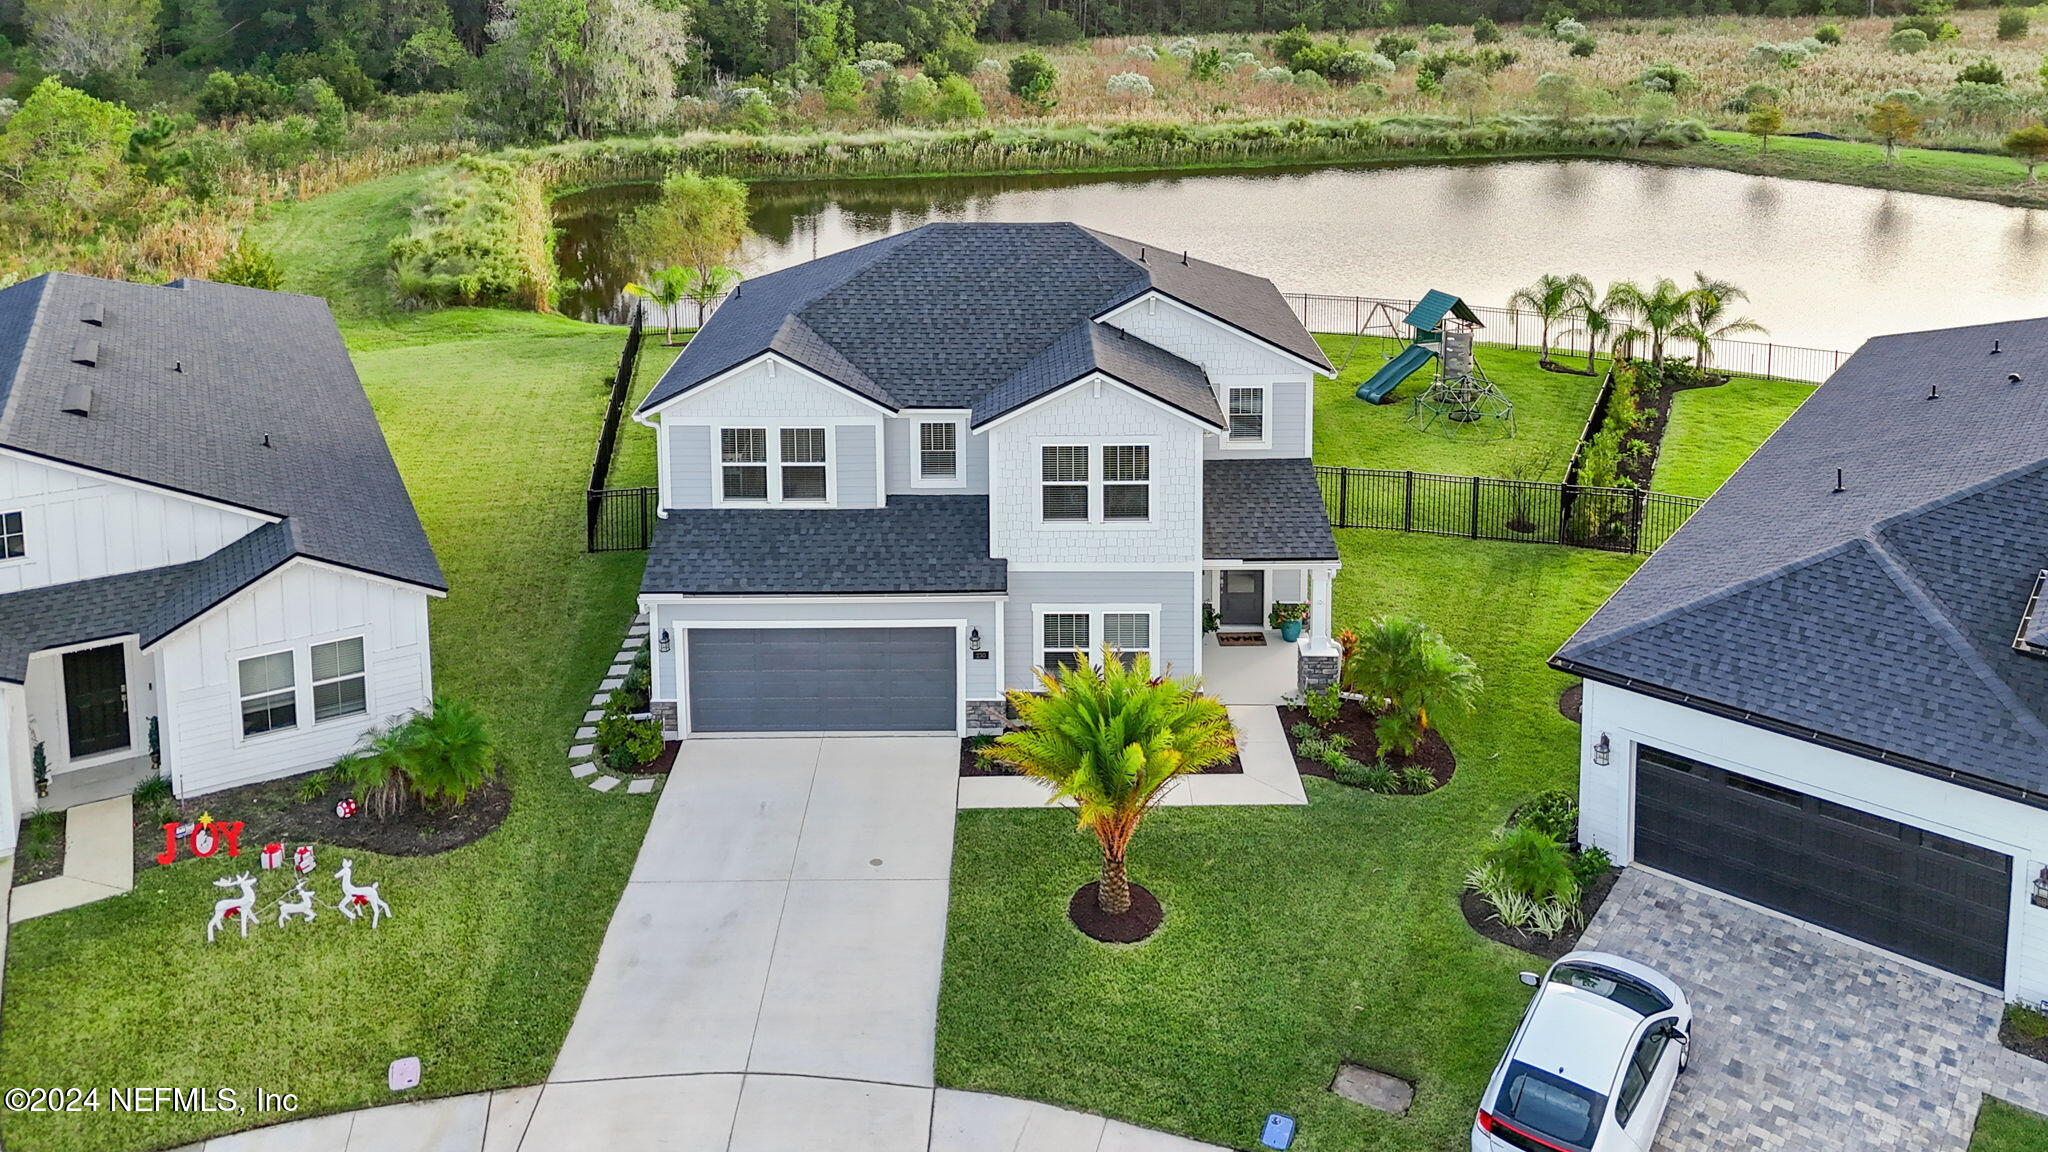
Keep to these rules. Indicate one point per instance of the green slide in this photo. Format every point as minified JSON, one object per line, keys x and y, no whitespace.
{"x":1391,"y":374}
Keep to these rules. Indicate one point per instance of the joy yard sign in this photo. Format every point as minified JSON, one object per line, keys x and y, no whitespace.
{"x":204,"y":837}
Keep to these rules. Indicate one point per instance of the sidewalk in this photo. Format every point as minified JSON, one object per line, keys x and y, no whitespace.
{"x":99,"y":861}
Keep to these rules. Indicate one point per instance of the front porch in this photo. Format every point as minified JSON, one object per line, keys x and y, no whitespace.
{"x":84,"y":712}
{"x":1245,"y":661}
{"x":1246,"y":674}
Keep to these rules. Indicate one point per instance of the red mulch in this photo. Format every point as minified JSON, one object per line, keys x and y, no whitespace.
{"x":1479,"y":914}
{"x":1356,"y":720}
{"x":1141,"y":921}
{"x":972,"y":765}
{"x":1572,"y":701}
{"x":272,"y":812}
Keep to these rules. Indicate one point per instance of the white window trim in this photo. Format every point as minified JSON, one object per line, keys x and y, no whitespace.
{"x":9,"y":561}
{"x":1096,"y":512}
{"x":1265,"y":439}
{"x":917,"y":477}
{"x":298,"y":690}
{"x":774,"y":463}
{"x":1095,"y":613}
{"x":1151,"y":459}
{"x":364,"y":676}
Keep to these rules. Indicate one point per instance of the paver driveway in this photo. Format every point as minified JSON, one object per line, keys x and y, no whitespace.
{"x":1806,"y":1041}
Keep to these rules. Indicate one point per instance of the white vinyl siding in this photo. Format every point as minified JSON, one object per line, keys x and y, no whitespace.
{"x":270,"y":698}
{"x":340,"y":687}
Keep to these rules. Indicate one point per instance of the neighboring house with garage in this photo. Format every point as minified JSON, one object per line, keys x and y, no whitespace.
{"x":205,"y":548}
{"x":895,"y":480}
{"x":1828,"y":693}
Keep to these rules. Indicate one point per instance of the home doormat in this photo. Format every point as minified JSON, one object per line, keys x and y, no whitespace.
{"x":1241,"y":639}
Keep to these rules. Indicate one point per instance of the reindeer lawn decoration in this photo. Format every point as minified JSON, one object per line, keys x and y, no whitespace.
{"x":355,"y":897}
{"x":299,"y":905}
{"x":242,"y":907}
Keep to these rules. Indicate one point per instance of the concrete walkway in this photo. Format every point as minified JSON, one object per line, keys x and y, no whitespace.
{"x":769,"y":983}
{"x":99,"y":861}
{"x":1269,"y":775}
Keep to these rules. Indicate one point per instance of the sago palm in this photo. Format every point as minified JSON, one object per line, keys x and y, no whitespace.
{"x":1553,"y":299}
{"x":1111,"y":738}
{"x":667,"y":287}
{"x":1412,"y":671}
{"x":1710,"y":315}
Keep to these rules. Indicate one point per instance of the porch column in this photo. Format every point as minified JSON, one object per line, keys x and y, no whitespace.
{"x":1320,"y":641}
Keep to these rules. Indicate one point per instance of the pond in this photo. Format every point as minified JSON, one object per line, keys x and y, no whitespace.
{"x":1825,"y":265}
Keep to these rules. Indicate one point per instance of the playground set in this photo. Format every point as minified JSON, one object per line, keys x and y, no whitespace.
{"x":1460,"y":402}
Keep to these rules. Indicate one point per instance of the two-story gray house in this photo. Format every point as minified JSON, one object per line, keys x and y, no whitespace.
{"x":895,"y":480}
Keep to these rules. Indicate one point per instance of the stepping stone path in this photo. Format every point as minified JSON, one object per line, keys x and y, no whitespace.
{"x":583,"y":751}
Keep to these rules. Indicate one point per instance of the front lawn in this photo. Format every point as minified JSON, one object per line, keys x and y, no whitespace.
{"x":1713,"y":430}
{"x":1295,"y":937}
{"x":485,"y":957}
{"x":2003,"y":1128}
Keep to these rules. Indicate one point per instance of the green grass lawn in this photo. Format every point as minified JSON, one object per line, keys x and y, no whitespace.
{"x":1713,"y":430}
{"x":1295,"y":937}
{"x":1974,"y":175}
{"x":2003,"y":1128}
{"x":1550,"y":411}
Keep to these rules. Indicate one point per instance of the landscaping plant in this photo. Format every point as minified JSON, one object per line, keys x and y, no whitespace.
{"x":436,"y":756}
{"x":1111,"y":738}
{"x":1403,"y":663}
{"x":1526,"y":876}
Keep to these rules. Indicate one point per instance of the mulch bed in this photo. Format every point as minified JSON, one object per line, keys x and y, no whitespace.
{"x":1643,"y":469}
{"x":1572,"y":700}
{"x":1141,"y":921}
{"x":272,"y":812}
{"x":661,"y":765}
{"x":1479,"y":914}
{"x":2025,"y":1041}
{"x":50,"y":863}
{"x":1356,"y":721}
{"x":972,"y":765}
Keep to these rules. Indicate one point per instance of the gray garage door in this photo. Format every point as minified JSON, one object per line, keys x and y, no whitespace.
{"x":823,"y":680}
{"x":1906,"y":889}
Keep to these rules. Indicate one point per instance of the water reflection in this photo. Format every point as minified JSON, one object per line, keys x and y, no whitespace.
{"x":1480,"y":230}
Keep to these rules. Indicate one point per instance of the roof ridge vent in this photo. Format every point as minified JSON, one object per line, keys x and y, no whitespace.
{"x":93,"y":312}
{"x":78,"y":399}
{"x":85,"y":350}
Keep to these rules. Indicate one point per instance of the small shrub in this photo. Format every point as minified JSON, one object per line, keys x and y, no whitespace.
{"x":1590,"y":865}
{"x":2013,"y":24}
{"x":1828,"y":34}
{"x":1286,"y":45}
{"x":1554,"y":813}
{"x":958,"y":99}
{"x":1568,"y":29}
{"x":624,"y":742}
{"x":1439,"y":34}
{"x":1273,"y":76}
{"x":1033,"y":79}
{"x":884,"y":50}
{"x":1371,"y":777}
{"x":1981,"y":72}
{"x":1667,"y":78}
{"x":1142,"y":52}
{"x":1303,"y":730}
{"x":251,"y":265}
{"x":1394,"y":45}
{"x":1416,"y":780}
{"x":439,"y":755}
{"x":1534,"y":863}
{"x":1183,"y":48}
{"x":152,"y":790}
{"x":1909,"y":41}
{"x":1584,"y":46}
{"x":1325,"y":705}
{"x":1485,"y":31}
{"x":313,"y":785}
{"x":1130,"y":86}
{"x":1929,"y":24}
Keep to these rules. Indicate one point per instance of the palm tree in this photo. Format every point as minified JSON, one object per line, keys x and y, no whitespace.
{"x":1708,"y":306}
{"x":1652,"y":314}
{"x":667,"y":287}
{"x":1596,"y":323}
{"x":1412,"y":671}
{"x":705,"y":285}
{"x":1110,"y":738}
{"x":1553,"y":299}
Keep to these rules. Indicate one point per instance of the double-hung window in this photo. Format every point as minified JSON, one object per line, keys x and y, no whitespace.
{"x":1126,"y":482}
{"x":938,"y":451}
{"x":270,"y":699}
{"x":13,"y":536}
{"x":1063,"y":481}
{"x":803,"y":464}
{"x":1065,"y":636}
{"x":743,"y":463}
{"x":340,"y":685}
{"x":1247,"y":416}
{"x":1129,"y":633}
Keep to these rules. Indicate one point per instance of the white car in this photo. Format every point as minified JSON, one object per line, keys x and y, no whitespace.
{"x":1591,"y":1066}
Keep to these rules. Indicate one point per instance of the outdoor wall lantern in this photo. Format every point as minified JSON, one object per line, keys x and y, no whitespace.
{"x":666,"y":640}
{"x":1601,"y":750}
{"x":974,"y":639}
{"x":2041,"y":888}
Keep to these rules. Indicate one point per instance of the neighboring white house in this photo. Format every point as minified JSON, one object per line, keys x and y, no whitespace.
{"x":1827,"y":695}
{"x":897,"y":479}
{"x":204,"y":543}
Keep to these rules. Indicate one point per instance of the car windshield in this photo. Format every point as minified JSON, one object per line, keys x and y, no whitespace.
{"x":1621,"y":988}
{"x":1550,"y":1106}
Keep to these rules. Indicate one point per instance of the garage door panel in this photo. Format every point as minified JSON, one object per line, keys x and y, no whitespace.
{"x":1939,"y":900}
{"x":823,"y":680}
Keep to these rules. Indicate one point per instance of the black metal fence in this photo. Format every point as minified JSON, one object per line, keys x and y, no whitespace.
{"x":619,"y":519}
{"x":1486,"y":508}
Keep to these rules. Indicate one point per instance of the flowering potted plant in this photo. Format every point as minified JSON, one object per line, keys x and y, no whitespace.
{"x":1288,"y":619}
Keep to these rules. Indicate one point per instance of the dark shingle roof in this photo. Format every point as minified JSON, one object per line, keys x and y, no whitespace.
{"x":1089,"y":347}
{"x":1264,"y":509}
{"x":940,"y":316}
{"x":915,"y":544}
{"x":1882,"y":615}
{"x":189,"y":379}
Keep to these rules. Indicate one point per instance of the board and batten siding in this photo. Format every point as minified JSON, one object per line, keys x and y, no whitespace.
{"x":1229,"y":357}
{"x":675,"y":616}
{"x":1178,"y":643}
{"x":1607,"y":799}
{"x":1096,"y":415}
{"x":293,"y":608}
{"x":79,"y":526}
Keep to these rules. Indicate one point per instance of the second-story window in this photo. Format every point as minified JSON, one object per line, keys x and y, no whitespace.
{"x":803,"y":463}
{"x":1126,"y":482}
{"x":1063,"y":478}
{"x":938,"y":450}
{"x":13,"y":536}
{"x":743,"y":456}
{"x":1247,"y":415}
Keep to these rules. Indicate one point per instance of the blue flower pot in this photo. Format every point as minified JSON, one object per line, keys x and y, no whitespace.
{"x":1291,"y":631}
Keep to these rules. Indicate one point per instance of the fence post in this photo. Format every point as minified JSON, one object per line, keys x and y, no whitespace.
{"x":1475,"y":508}
{"x":1635,"y":522}
{"x":1408,"y":504}
{"x":1564,"y":513}
{"x":1770,"y":358}
{"x":1344,"y":498}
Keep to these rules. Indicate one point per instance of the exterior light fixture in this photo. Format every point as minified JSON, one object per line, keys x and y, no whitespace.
{"x":2041,"y":888}
{"x":1601,"y":750}
{"x":667,"y":641}
{"x":974,"y":639}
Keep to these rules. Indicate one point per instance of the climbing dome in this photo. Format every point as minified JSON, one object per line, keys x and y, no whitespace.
{"x":1461,"y":403}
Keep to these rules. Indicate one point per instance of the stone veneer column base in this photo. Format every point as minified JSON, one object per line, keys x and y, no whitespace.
{"x":1318,"y":672}
{"x":665,"y":711}
{"x":985,"y":717}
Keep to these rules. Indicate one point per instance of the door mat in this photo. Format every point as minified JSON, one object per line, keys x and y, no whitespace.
{"x":1241,"y":639}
